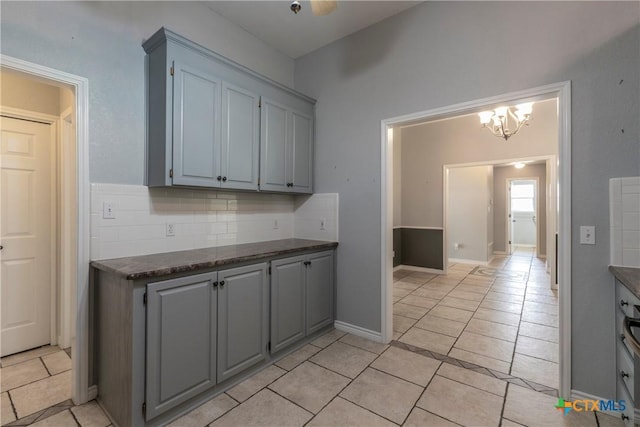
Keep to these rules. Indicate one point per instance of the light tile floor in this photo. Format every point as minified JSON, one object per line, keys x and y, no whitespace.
{"x":477,"y":347}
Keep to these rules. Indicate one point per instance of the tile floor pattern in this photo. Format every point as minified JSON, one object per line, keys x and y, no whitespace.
{"x":475,"y":347}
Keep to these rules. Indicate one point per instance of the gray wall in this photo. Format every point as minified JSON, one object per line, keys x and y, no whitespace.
{"x":102,"y":42}
{"x":426,"y":148}
{"x":441,"y":53}
{"x":469,"y":194}
{"x":500,"y":176}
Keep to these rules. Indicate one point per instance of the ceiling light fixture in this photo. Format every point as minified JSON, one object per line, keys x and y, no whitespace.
{"x":519,"y":165}
{"x":497,"y":121}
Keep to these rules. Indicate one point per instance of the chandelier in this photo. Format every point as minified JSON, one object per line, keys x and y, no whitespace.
{"x":500,"y":120}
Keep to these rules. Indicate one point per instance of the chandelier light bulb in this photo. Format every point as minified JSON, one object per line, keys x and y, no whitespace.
{"x":525,"y":108}
{"x":501,"y":111}
{"x":485,"y":117}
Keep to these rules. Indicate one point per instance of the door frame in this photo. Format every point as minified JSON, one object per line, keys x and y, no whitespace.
{"x":561,"y":91}
{"x":509,"y":231}
{"x":54,"y":122}
{"x":80,"y":313}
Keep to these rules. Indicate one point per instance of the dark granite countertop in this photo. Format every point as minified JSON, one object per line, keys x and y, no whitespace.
{"x":156,"y":265}
{"x":628,"y":276}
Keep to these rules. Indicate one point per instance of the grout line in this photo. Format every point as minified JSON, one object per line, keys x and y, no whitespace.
{"x":13,"y":407}
{"x":45,"y":366}
{"x":74,"y":417}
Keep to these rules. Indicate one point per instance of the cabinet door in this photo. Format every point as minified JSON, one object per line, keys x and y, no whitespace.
{"x":319,"y":290}
{"x":273,"y":146}
{"x":287,"y":302}
{"x":196,"y":127}
{"x":181,"y":341}
{"x":240,"y":138}
{"x":301,"y":170}
{"x":243,"y":309}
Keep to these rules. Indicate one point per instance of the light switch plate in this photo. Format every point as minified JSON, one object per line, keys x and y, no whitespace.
{"x":108,"y":210}
{"x":587,"y":235}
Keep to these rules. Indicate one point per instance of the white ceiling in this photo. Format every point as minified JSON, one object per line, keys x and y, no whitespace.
{"x":296,"y":35}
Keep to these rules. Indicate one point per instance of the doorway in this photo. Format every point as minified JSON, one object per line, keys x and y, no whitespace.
{"x":522,"y":211}
{"x":562,"y":191}
{"x":27,"y":233}
{"x":70,"y":257}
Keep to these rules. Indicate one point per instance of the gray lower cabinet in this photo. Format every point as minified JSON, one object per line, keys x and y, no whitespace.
{"x":301,"y":297}
{"x":243,"y":318}
{"x":286,"y":146}
{"x":202,"y":330}
{"x":627,"y":364}
{"x":287,"y":302}
{"x":319,"y":302}
{"x":181,"y":340}
{"x":161,"y":347}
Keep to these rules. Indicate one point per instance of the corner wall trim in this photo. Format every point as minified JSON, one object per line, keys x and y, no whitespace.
{"x":357,"y":330}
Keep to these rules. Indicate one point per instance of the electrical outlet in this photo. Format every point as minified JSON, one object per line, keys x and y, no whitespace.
{"x":322,"y":224}
{"x":171,"y":230}
{"x":108,"y":210}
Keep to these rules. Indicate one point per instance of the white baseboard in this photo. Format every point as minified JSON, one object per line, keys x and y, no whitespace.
{"x":357,"y":330}
{"x":421,"y":269}
{"x":499,"y":253}
{"x":93,"y":392}
{"x":579,"y":395}
{"x":467,"y":261}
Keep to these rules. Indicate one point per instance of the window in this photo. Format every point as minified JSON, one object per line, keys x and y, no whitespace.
{"x":522,"y":197}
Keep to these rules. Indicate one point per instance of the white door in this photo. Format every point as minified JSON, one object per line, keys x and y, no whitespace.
{"x":522,"y":213}
{"x":25,"y":234}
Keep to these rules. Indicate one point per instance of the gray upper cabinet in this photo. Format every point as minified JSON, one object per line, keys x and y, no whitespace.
{"x":206,"y":126}
{"x":181,"y":341}
{"x":196,"y":127}
{"x":301,"y":152}
{"x":240,"y":133}
{"x":286,"y":144}
{"x":243,"y":318}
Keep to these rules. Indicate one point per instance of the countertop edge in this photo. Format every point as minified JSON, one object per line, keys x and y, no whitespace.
{"x":152,"y":272}
{"x":628,"y":276}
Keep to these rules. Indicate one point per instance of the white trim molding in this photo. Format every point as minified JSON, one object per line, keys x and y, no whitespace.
{"x":420,"y":269}
{"x":358,"y":331}
{"x":561,"y":91}
{"x":80,"y":343}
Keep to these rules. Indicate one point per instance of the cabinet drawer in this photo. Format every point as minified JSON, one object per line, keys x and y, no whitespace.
{"x":625,"y":300}
{"x":621,"y":340}
{"x":625,"y":369}
{"x":628,"y":414}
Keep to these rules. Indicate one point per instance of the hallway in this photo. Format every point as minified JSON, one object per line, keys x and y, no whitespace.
{"x":502,"y":317}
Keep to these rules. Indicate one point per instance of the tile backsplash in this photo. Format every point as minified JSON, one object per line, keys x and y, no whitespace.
{"x":201,"y":218}
{"x":624,"y":221}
